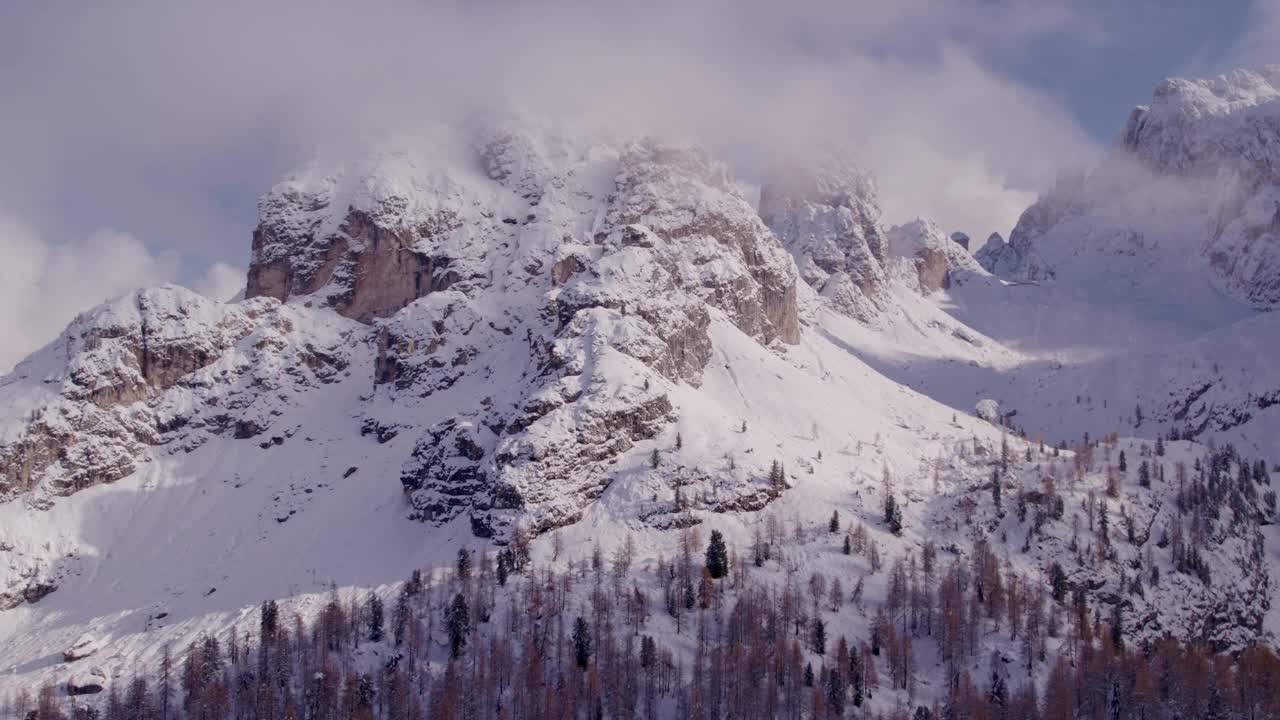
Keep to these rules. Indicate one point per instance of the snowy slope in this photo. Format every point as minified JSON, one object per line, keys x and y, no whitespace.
{"x":524,"y":327}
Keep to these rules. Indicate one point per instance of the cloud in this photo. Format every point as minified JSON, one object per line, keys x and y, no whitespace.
{"x":44,"y":285}
{"x":168,"y":119}
{"x":155,"y":115}
{"x":221,"y":282}
{"x":1259,"y":44}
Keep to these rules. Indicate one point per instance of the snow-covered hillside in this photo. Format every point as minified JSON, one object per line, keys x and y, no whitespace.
{"x":520,"y":329}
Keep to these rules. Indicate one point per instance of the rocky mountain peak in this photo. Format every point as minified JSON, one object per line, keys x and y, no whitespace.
{"x":1196,"y":175}
{"x":827,"y":215}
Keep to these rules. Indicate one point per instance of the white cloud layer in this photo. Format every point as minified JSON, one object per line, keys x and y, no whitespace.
{"x":43,"y":286}
{"x":165,"y":119}
{"x":1261,"y":41}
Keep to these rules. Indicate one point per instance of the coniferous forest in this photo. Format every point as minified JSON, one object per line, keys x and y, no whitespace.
{"x":717,"y":631}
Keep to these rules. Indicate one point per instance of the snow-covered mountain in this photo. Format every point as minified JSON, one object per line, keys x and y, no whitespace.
{"x":520,"y":326}
{"x":1186,"y":208}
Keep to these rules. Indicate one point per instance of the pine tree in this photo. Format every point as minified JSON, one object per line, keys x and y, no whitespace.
{"x":457,"y":620}
{"x":834,"y":525}
{"x":1057,"y":582}
{"x":1117,"y":626}
{"x":835,"y":692}
{"x":777,"y":476}
{"x":717,"y":556}
{"x":892,"y":515}
{"x":997,"y":492}
{"x":1144,"y":474}
{"x":998,"y":695}
{"x":856,"y":678}
{"x":581,"y":642}
{"x":400,"y":616}
{"x":503,"y":570}
{"x":848,"y":546}
{"x":269,"y":618}
{"x":463,"y":564}
{"x":375,"y":618}
{"x":654,"y":459}
{"x":1124,"y":465}
{"x":819,"y":636}
{"x":1159,"y":446}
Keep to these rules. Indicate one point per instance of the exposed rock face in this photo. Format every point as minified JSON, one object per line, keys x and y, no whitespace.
{"x":120,"y":356}
{"x":828,"y":217}
{"x":627,"y":273}
{"x":926,"y":258}
{"x":990,"y":255}
{"x":566,"y":286}
{"x":960,"y":239}
{"x":365,"y":262}
{"x":127,"y":365}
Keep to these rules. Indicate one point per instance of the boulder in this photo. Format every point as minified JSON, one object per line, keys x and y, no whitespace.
{"x":85,"y":646}
{"x":87,"y":682}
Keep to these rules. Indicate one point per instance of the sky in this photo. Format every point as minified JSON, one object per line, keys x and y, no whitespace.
{"x":136,"y":136}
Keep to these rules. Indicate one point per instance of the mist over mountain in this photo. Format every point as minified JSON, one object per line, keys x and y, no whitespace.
{"x":649,"y":405}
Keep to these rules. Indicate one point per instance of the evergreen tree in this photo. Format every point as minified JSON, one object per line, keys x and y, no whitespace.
{"x":375,"y":618}
{"x":998,"y":695}
{"x":819,"y":637}
{"x":892,"y":515}
{"x":835,"y":692}
{"x":463,"y":564}
{"x":648,"y":652}
{"x":856,"y":679}
{"x":503,"y":570}
{"x":1057,"y":582}
{"x":400,"y":616}
{"x":834,"y":525}
{"x":1159,"y":446}
{"x":1144,"y":474}
{"x":269,"y":618}
{"x":808,"y":674}
{"x":581,"y":642}
{"x":848,"y":546}
{"x":997,"y":492}
{"x":1117,"y":626}
{"x":457,"y":619}
{"x":777,"y":476}
{"x":1124,"y":464}
{"x":717,"y":556}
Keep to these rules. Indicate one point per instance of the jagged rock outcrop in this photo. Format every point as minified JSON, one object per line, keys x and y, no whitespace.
{"x":991,"y":255}
{"x":926,"y":258}
{"x":565,"y":286}
{"x":626,"y":275}
{"x":827,"y":215}
{"x":125,"y":377}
